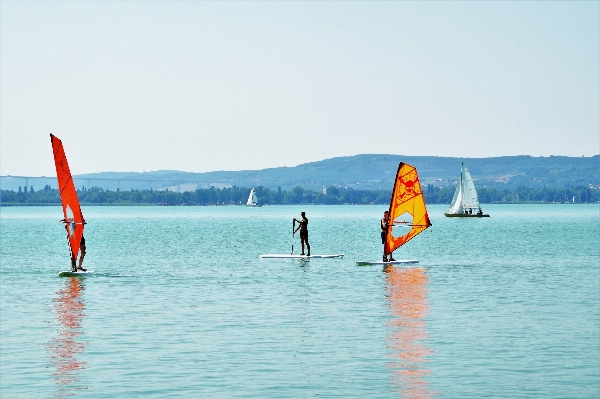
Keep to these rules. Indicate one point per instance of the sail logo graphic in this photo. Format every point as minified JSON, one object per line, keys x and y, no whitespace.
{"x":70,"y":221}
{"x":408,"y":187}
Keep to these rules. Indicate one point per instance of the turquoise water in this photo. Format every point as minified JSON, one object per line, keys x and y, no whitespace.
{"x":181,"y":306}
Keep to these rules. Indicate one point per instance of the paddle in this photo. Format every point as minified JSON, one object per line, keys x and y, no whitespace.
{"x":293,"y":227}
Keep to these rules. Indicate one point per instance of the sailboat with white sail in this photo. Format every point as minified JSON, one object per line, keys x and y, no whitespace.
{"x":465,"y":203}
{"x":252,"y":200}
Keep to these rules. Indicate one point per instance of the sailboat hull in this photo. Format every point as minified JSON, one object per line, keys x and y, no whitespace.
{"x":254,"y":205}
{"x":462,"y":215}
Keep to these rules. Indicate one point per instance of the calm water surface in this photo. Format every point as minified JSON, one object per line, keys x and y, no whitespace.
{"x":181,"y":306}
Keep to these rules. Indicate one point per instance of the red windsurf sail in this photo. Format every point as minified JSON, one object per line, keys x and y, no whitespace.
{"x":74,"y":221}
{"x":408,"y":214}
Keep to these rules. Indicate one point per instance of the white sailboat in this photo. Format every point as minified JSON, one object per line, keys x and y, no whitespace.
{"x":465,"y":201}
{"x":252,"y":200}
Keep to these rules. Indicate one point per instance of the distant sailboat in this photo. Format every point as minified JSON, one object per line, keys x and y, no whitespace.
{"x":252,"y":200}
{"x":465,"y":198}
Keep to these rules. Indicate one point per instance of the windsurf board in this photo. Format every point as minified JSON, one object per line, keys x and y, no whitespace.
{"x":394,"y":262}
{"x":75,"y":274}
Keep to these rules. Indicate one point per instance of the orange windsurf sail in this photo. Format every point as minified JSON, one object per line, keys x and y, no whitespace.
{"x":408,"y":214}
{"x":72,"y":211}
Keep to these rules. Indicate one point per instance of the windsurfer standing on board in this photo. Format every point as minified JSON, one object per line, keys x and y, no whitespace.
{"x":74,"y":266}
{"x":82,"y":251}
{"x":303,"y":227}
{"x":385,"y":222}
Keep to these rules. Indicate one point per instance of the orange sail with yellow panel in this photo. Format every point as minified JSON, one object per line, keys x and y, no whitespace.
{"x":408,"y":213}
{"x":73,"y":220}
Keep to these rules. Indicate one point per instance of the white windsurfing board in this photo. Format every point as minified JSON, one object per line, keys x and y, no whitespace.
{"x":394,"y":262}
{"x":300,"y":256}
{"x":69,"y":273}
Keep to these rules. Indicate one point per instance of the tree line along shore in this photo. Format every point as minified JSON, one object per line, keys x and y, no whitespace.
{"x":330,"y":196}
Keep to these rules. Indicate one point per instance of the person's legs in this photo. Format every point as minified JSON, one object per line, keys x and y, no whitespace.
{"x":81,"y":259}
{"x":73,"y":264}
{"x":383,"y":242}
{"x":304,"y":240}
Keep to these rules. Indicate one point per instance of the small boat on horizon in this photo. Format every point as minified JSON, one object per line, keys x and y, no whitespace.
{"x":465,"y":198}
{"x":252,"y":200}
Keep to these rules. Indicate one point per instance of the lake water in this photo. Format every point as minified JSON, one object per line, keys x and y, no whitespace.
{"x":182,"y":307}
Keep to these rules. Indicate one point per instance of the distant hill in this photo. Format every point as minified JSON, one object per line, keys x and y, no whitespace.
{"x":366,"y":171}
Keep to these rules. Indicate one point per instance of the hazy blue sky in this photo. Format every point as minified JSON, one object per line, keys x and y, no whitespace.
{"x":202,"y":86}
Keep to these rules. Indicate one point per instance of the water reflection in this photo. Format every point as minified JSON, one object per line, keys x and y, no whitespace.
{"x":407,"y":295}
{"x":69,"y":308}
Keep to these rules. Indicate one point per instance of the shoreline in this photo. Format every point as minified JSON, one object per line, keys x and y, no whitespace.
{"x":13,"y":204}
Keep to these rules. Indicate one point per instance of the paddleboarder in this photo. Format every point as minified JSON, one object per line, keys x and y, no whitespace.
{"x":384,"y":226}
{"x":303,"y":227}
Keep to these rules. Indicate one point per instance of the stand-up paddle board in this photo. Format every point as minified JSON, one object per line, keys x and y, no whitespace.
{"x":75,"y":274}
{"x":394,"y":262}
{"x":300,"y":256}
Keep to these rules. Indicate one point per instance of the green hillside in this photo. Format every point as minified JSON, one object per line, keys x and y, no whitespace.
{"x":361,"y":172}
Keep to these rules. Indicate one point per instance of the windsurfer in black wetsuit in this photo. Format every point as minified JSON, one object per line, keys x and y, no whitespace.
{"x":82,"y":251}
{"x":303,"y":227}
{"x":385,"y":222}
{"x":74,"y":266}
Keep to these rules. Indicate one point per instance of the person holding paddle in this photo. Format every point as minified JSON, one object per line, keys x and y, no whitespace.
{"x":303,"y":227}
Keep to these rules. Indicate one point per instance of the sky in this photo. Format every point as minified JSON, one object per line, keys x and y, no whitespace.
{"x":203,"y":86}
